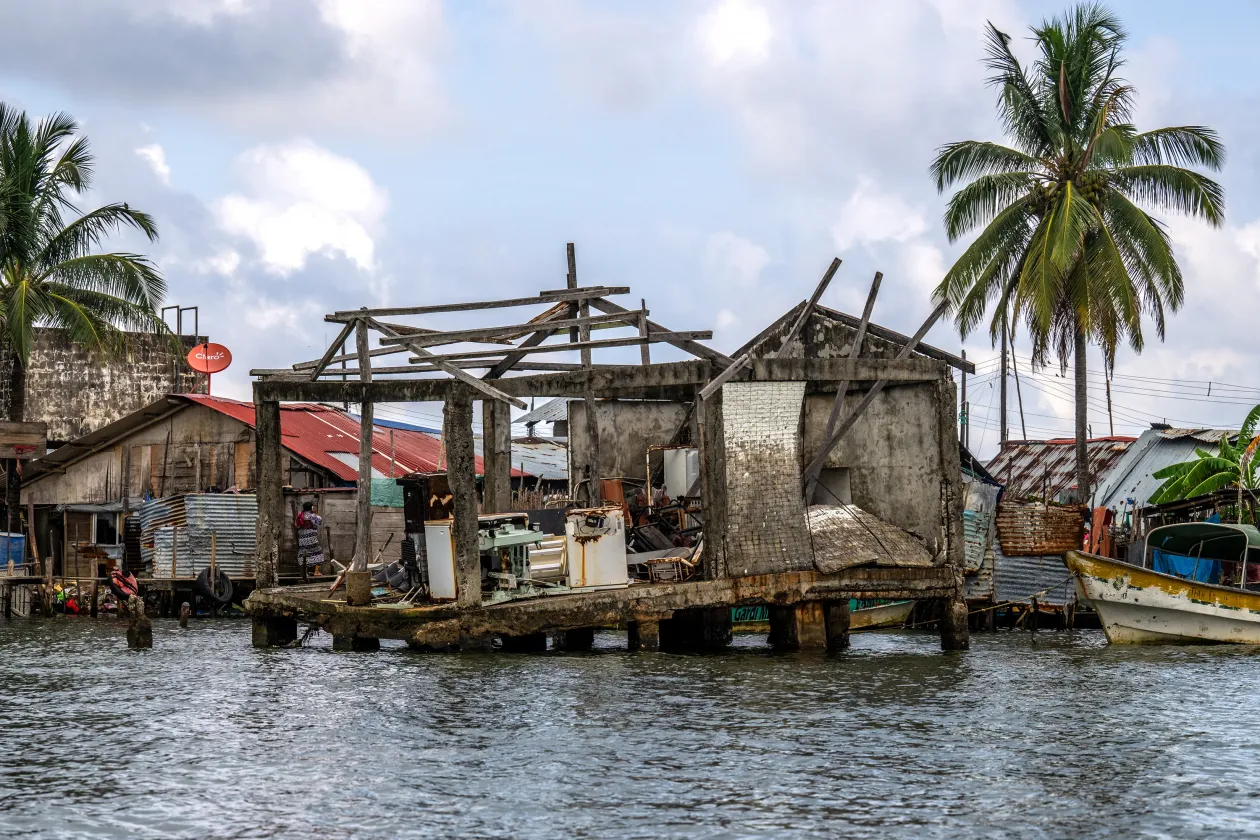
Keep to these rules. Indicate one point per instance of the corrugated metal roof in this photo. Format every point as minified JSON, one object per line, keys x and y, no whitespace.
{"x":543,"y":458}
{"x":316,"y":432}
{"x":1133,"y":475}
{"x":548,"y":412}
{"x":1025,"y":466}
{"x":1017,"y":578}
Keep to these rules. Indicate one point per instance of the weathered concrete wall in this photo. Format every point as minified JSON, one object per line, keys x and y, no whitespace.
{"x":76,"y":391}
{"x":626,"y":430}
{"x":766,"y":531}
{"x":893,"y":454}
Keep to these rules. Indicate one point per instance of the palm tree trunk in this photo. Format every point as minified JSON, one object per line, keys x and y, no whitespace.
{"x":1082,"y":418}
{"x":17,"y":410}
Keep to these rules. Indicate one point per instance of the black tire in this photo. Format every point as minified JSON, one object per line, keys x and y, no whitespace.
{"x":219,"y":593}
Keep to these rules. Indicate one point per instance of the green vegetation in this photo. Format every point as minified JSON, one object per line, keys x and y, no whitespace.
{"x":1064,"y":242}
{"x":1233,"y":466}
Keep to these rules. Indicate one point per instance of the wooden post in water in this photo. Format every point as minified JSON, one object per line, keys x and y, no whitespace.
{"x":496,"y":456}
{"x":358,"y":578}
{"x":270,"y":492}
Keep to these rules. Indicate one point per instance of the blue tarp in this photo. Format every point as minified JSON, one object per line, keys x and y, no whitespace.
{"x":1207,"y":571}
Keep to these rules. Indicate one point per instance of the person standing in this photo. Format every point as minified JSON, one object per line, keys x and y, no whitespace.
{"x":310,"y":553}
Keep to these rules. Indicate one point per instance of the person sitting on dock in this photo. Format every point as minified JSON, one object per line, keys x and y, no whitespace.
{"x":309,"y":551}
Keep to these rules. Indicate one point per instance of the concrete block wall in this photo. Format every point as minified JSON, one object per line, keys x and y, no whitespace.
{"x":76,"y":390}
{"x":765,"y":513}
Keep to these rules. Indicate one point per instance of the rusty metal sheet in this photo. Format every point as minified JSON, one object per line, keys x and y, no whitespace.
{"x":1031,"y":467}
{"x":1028,"y":528}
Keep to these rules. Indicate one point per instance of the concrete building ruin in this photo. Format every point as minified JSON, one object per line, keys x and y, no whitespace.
{"x":828,"y":469}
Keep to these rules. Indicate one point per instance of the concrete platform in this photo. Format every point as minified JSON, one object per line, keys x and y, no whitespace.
{"x":445,"y":625}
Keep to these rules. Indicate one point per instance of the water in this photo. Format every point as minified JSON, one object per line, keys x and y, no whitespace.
{"x":206,"y":737}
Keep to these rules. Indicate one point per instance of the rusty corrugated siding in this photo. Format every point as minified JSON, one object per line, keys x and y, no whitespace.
{"x":1031,"y":467}
{"x":1031,"y":528}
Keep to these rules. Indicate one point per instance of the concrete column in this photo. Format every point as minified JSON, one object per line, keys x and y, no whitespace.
{"x":367,"y":430}
{"x":355,"y":643}
{"x":643,"y":635}
{"x":954,"y":632}
{"x":274,"y":632}
{"x":703,"y":628}
{"x":461,"y":473}
{"x":269,"y":481}
{"x":581,"y":638}
{"x":496,"y":456}
{"x":836,"y":617}
{"x":712,"y":484}
{"x":798,"y":627}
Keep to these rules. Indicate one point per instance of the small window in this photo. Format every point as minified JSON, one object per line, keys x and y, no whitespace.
{"x":106,"y":529}
{"x":832,"y":487}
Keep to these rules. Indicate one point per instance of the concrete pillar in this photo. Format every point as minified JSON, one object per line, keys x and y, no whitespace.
{"x":274,"y":631}
{"x":367,"y":432}
{"x":798,"y":627}
{"x":140,"y":629}
{"x":496,"y":456}
{"x":712,"y":484}
{"x":954,"y":632}
{"x":643,"y":635}
{"x":355,"y":643}
{"x":529,"y":643}
{"x":581,"y":638}
{"x":703,"y":628}
{"x":461,"y":472}
{"x":269,"y":481}
{"x":836,"y":617}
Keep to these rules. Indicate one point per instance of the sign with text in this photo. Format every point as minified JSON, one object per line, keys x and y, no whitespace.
{"x":23,"y":441}
{"x":209,"y":358}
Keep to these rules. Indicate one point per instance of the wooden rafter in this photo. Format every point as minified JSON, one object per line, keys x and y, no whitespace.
{"x":453,"y":336}
{"x":549,"y":297}
{"x":669,"y":338}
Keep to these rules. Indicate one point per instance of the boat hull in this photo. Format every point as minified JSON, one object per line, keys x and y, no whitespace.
{"x":884,"y":615}
{"x":1139,"y":606}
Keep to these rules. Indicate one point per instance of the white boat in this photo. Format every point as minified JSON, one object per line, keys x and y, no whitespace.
{"x":1192,"y":587}
{"x":877,"y":616}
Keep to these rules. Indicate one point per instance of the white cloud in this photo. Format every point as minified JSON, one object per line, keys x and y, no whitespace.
{"x":302,"y":199}
{"x":155,"y":156}
{"x":733,"y":259}
{"x":736,"y":31}
{"x":871,"y":216}
{"x":726,"y":320}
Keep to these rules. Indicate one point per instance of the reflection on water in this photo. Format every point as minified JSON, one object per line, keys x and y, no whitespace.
{"x":203,"y":736}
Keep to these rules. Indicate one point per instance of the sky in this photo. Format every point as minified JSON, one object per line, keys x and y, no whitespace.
{"x":306,"y":156}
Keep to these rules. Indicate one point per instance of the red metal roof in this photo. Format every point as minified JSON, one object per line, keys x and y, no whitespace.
{"x":316,"y":433}
{"x":1031,"y":467}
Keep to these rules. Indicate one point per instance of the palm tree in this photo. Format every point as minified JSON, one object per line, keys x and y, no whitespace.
{"x":1064,"y":242}
{"x":1235,"y":465}
{"x":52,"y":272}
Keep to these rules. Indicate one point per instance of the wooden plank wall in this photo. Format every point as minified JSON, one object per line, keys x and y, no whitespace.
{"x":340,"y":519}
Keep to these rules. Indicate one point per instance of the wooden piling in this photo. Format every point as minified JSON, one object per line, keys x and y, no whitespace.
{"x":954,"y":632}
{"x":496,"y":456}
{"x":140,"y":628}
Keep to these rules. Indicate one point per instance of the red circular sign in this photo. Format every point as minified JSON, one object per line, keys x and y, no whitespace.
{"x":209,"y":358}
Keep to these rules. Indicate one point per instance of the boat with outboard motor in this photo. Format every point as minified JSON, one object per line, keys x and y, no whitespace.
{"x":1199,"y":583}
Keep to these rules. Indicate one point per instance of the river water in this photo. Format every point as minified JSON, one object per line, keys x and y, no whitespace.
{"x":1055,"y":735}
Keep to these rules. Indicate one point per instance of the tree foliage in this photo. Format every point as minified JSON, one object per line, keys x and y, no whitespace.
{"x":1234,"y":465}
{"x":53,"y":271}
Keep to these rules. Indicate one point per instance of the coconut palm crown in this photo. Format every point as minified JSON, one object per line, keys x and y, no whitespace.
{"x":52,"y":270}
{"x":1065,"y":241}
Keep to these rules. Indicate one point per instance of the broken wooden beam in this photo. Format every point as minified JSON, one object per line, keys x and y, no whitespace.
{"x":548,"y":297}
{"x":332,"y":349}
{"x":669,"y":338}
{"x":742,"y":362}
{"x":869,"y":397}
{"x":433,"y":338}
{"x":458,"y":373}
{"x":837,"y":405}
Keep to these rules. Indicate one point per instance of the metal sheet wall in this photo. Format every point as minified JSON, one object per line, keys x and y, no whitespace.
{"x":191,"y":524}
{"x":1017,"y":578}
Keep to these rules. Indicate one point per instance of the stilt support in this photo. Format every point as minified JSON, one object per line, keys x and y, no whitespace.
{"x":583,"y":638}
{"x":836,"y":616}
{"x":704,"y":628}
{"x":355,"y":643}
{"x":954,"y":633}
{"x":274,"y":632}
{"x":643,"y":635}
{"x":530,"y":643}
{"x":798,"y":627}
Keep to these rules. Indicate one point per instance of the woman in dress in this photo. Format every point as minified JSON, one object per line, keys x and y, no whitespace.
{"x":309,"y":551}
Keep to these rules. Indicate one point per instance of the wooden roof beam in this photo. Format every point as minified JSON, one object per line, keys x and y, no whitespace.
{"x":662,"y":337}
{"x":453,"y":336}
{"x":546,"y":297}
